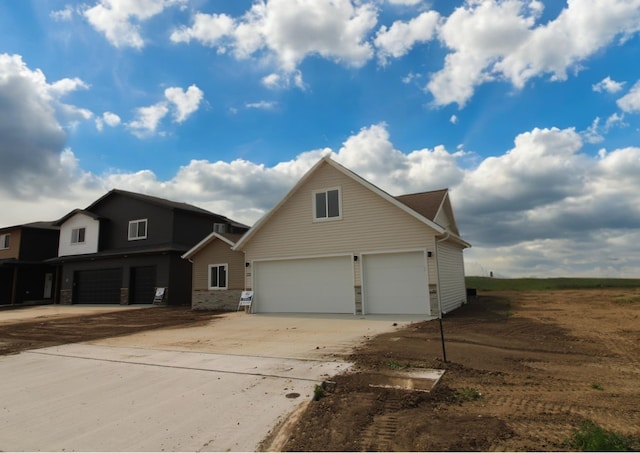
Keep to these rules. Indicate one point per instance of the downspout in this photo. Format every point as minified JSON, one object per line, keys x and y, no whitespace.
{"x":447,"y":235}
{"x":444,"y":350}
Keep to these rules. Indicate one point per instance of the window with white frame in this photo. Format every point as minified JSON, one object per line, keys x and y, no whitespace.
{"x":77,"y":235}
{"x":137,"y":229}
{"x":219,"y":227}
{"x":5,"y":240}
{"x":327,"y":204}
{"x":217,"y":276}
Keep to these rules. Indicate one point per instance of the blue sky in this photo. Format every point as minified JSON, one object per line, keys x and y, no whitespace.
{"x":528,"y":111}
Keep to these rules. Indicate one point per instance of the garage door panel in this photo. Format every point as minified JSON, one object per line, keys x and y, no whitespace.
{"x":98,"y":286}
{"x":319,"y":285}
{"x":395,"y":283}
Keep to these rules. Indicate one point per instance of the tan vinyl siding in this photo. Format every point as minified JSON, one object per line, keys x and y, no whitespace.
{"x":369,"y":223}
{"x":218,"y":252}
{"x":14,"y":245}
{"x":442,"y":219}
{"x":453,"y":291}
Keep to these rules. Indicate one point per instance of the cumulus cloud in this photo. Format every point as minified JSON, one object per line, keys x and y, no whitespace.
{"x":148,"y":119}
{"x":501,"y":40}
{"x":608,"y":85}
{"x":108,"y":118}
{"x":119,"y":20}
{"x":183,"y":103}
{"x":288,"y":31}
{"x":630,"y":102}
{"x":276,"y":81}
{"x":397,"y":40}
{"x":32,"y":138}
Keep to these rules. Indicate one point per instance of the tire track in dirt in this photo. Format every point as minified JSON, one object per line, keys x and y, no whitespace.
{"x":380,"y":435}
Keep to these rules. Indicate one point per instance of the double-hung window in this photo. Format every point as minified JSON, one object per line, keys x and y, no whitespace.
{"x":217,"y":276}
{"x":137,"y":229}
{"x":77,"y":235}
{"x":5,"y":240}
{"x":327,"y":204}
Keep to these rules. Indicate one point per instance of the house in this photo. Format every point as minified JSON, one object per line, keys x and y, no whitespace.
{"x":218,"y":272}
{"x":338,"y":244}
{"x":24,"y":277}
{"x":125,"y":245}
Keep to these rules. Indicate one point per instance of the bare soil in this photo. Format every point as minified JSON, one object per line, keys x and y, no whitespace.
{"x":523,"y":370}
{"x":16,"y":336}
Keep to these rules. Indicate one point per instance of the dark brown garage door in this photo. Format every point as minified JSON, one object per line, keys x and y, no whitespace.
{"x":98,"y":286}
{"x":143,"y":285}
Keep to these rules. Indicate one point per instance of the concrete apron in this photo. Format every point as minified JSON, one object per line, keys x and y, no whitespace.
{"x":98,"y":398}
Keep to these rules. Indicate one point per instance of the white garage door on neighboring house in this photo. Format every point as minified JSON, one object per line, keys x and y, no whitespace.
{"x":315,"y":285}
{"x":395,"y":283}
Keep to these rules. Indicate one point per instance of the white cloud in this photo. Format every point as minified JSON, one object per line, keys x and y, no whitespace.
{"x":119,"y":20}
{"x":261,"y":105}
{"x":185,"y":102}
{"x":288,"y":31}
{"x":397,"y":40}
{"x":630,"y":102}
{"x":108,"y":118}
{"x":453,"y":119}
{"x":405,"y":2}
{"x":148,"y":119}
{"x":608,"y":85}
{"x":500,"y":40}
{"x":62,"y":15}
{"x":276,"y":81}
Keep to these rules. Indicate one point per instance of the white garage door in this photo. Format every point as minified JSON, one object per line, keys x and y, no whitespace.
{"x":395,"y":283}
{"x":318,"y":285}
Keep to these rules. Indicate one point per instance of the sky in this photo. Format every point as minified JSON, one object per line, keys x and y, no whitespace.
{"x":528,"y":111}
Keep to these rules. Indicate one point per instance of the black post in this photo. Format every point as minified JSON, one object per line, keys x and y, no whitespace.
{"x":444,"y":351}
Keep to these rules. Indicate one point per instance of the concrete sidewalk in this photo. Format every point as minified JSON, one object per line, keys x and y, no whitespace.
{"x":99,"y":398}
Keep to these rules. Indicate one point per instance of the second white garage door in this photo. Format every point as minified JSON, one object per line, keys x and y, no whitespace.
{"x":395,"y":283}
{"x":317,"y":285}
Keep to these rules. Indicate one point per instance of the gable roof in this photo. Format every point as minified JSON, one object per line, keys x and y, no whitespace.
{"x":74,"y":212}
{"x":162,"y":202}
{"x":422,"y":217}
{"x":229,"y":238}
{"x":430,"y":204}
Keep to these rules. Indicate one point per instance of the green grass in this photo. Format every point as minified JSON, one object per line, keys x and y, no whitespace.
{"x":591,"y":437}
{"x":597,"y":386}
{"x":396,"y":365}
{"x":542,"y":284}
{"x":467,"y":394}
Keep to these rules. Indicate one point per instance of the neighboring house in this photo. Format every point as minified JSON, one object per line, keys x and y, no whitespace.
{"x":24,"y":277}
{"x":125,"y":245}
{"x":338,"y":244}
{"x":218,"y":272}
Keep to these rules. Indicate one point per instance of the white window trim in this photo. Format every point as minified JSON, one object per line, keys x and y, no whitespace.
{"x":226,"y":268}
{"x":78,"y":242}
{"x":219,"y":226}
{"x":3,"y":241}
{"x":313,"y":202}
{"x":146,"y":229}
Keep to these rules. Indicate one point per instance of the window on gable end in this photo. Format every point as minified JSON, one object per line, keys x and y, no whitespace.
{"x":137,"y":229}
{"x":5,"y":241}
{"x":327,"y":204}
{"x":78,"y":235}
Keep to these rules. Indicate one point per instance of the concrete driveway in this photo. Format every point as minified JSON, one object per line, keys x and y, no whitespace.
{"x":217,"y":387}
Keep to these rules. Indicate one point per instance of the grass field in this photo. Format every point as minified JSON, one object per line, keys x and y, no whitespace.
{"x":541,"y":284}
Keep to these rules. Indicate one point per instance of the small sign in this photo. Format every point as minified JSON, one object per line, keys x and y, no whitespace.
{"x":159,"y":296}
{"x":246,"y":298}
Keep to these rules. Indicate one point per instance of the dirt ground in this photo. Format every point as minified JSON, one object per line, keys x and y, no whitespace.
{"x":20,"y":335}
{"x":523,"y":370}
